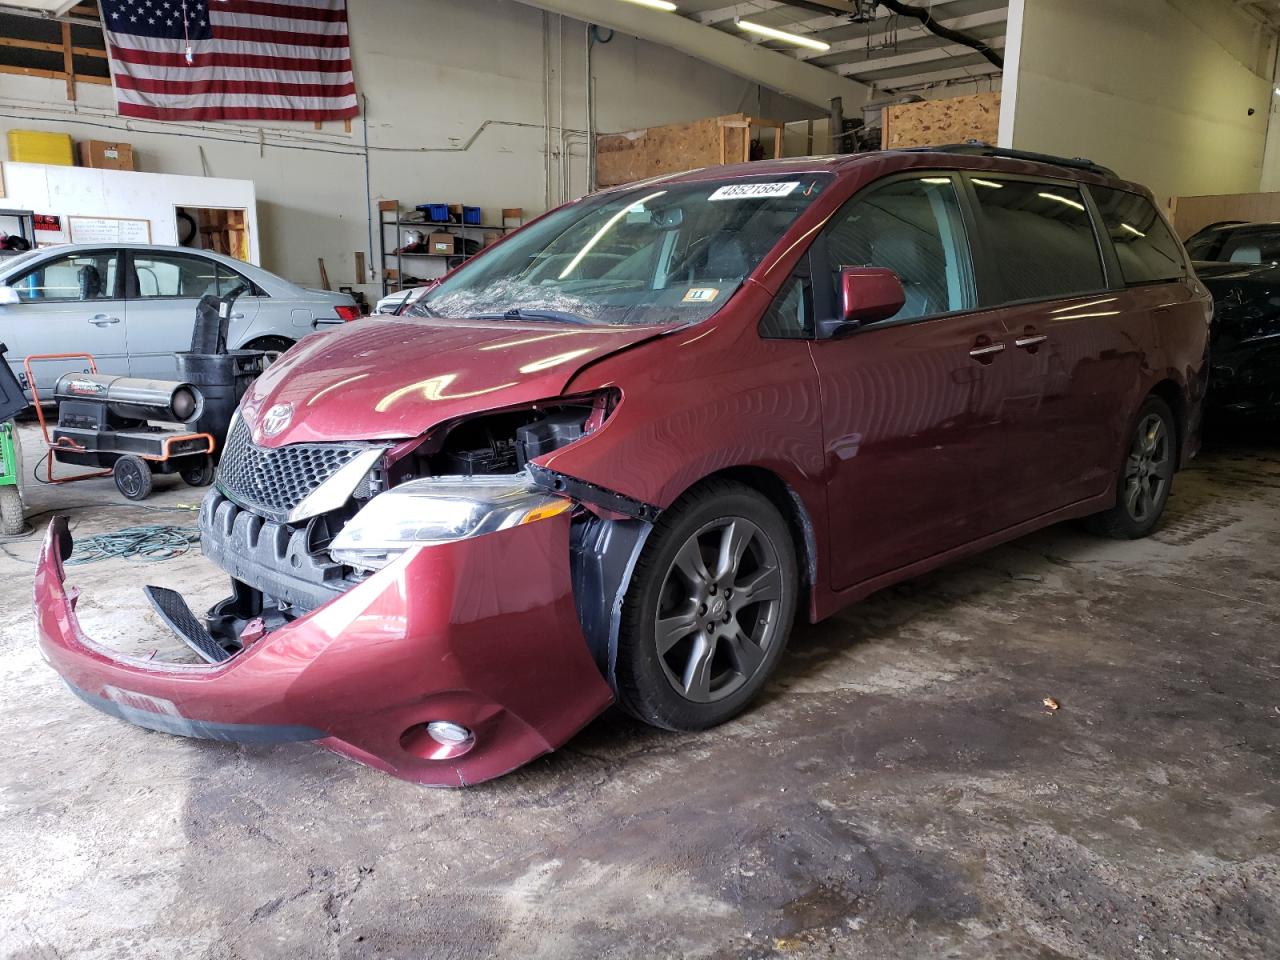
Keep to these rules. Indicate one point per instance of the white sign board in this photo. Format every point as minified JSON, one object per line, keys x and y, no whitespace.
{"x":110,"y":230}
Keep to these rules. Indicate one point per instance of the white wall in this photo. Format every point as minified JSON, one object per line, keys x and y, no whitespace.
{"x":434,"y":73}
{"x":155,"y":197}
{"x":1160,"y":90}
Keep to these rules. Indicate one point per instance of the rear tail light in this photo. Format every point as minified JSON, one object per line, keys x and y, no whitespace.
{"x":348,"y":313}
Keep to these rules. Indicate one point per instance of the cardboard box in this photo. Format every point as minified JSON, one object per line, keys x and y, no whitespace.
{"x":491,"y":237}
{"x":445,"y":243}
{"x":102,"y":155}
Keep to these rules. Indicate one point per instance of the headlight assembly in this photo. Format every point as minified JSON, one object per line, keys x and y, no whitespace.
{"x":439,"y":510}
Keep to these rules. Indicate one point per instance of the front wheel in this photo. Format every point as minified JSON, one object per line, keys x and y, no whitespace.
{"x":709,"y":608}
{"x":1142,"y":489}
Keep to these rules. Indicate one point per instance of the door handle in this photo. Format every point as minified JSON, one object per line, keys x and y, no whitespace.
{"x":986,"y":352}
{"x":102,"y":320}
{"x":1031,"y":341}
{"x":237,"y":316}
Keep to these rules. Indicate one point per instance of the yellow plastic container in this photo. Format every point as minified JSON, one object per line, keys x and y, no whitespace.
{"x":36,"y":146}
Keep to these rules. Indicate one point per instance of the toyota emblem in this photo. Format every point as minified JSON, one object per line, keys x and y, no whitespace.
{"x":276,"y":419}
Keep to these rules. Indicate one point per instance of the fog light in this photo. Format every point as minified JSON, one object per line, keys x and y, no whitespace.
{"x":437,"y":740}
{"x":448,"y":734}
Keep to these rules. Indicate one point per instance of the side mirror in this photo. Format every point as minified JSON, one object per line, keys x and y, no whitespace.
{"x":8,"y":296}
{"x":867,"y":295}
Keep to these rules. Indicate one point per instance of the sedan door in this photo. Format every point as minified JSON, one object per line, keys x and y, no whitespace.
{"x":164,"y":289}
{"x":910,"y":406}
{"x":68,"y":304}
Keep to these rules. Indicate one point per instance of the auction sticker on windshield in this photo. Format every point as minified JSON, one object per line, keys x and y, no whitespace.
{"x":751,"y":191}
{"x":701,"y":294}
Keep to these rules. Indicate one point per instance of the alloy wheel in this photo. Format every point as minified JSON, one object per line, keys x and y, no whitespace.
{"x":719,"y":609}
{"x":1149,"y":468}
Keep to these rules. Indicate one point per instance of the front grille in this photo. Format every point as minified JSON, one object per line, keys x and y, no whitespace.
{"x":271,"y":482}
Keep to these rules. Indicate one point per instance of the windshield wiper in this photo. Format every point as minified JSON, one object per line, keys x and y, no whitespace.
{"x":553,"y":315}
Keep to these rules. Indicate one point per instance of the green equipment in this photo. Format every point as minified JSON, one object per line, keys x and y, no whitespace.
{"x":12,"y":400}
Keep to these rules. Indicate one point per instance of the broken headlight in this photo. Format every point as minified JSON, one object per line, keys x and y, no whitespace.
{"x":439,"y":510}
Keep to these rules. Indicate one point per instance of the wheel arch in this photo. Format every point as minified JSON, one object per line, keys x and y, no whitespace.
{"x":253,"y":344}
{"x":1172,"y":394}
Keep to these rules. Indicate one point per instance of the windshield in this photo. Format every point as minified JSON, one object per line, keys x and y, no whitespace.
{"x":651,"y":255}
{"x":1251,"y":246}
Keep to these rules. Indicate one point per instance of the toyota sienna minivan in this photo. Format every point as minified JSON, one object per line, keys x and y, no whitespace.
{"x":615,"y":456}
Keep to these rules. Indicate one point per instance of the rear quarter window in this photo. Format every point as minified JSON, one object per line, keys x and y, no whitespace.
{"x":1145,"y":246}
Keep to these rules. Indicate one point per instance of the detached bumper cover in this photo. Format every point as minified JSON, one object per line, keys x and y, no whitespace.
{"x":482,"y":633}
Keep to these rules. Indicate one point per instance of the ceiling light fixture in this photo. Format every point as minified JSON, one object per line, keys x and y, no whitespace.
{"x":664,"y":5}
{"x":783,"y":35}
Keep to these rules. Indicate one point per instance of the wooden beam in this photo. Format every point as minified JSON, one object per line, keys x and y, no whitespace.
{"x":51,"y":74}
{"x":68,"y":61}
{"x":52,"y":47}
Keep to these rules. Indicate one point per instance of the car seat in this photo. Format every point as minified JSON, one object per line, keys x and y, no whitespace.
{"x":910,"y":261}
{"x":90,"y":279}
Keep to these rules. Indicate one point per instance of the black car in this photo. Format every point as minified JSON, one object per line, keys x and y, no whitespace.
{"x":1233,"y":241}
{"x":1240,"y":264}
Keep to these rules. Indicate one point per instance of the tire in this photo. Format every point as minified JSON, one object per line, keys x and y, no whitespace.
{"x":716,"y":650}
{"x":1145,"y":479}
{"x":270,"y":344}
{"x":133,"y":477}
{"x":200,"y":476}
{"x":12,"y":523}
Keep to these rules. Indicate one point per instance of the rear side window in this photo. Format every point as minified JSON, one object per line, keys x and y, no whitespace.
{"x":1145,"y":246}
{"x":1040,"y":238}
{"x":173,"y":275}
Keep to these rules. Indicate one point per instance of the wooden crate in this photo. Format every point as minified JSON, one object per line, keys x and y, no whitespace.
{"x":1190,"y":214}
{"x":932,"y":123}
{"x":641,"y":154}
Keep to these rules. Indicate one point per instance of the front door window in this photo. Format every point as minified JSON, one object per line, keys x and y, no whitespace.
{"x":913,"y":227}
{"x":77,"y":277}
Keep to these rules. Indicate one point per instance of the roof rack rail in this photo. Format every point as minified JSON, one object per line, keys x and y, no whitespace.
{"x":979,"y":148}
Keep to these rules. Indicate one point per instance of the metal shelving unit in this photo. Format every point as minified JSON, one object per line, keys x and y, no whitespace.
{"x":391,"y":258}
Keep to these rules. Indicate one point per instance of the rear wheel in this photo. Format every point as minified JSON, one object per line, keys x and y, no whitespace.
{"x":709,"y":609}
{"x":133,"y":477}
{"x":1142,"y":489}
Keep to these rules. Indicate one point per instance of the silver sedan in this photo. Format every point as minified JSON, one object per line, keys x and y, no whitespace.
{"x":132,"y":306}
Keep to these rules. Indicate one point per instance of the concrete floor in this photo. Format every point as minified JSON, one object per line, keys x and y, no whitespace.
{"x":901,"y":791}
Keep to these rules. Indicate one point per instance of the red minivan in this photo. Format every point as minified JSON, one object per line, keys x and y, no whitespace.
{"x":613,"y":456}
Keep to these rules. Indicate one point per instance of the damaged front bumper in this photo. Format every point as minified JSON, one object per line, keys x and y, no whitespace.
{"x":480,"y":633}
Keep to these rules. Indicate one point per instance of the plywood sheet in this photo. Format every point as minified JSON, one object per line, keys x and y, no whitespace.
{"x":1194,"y":213}
{"x":932,"y":123}
{"x":675,"y":147}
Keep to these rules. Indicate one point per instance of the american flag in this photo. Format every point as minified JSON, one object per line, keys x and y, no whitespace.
{"x":230,"y":59}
